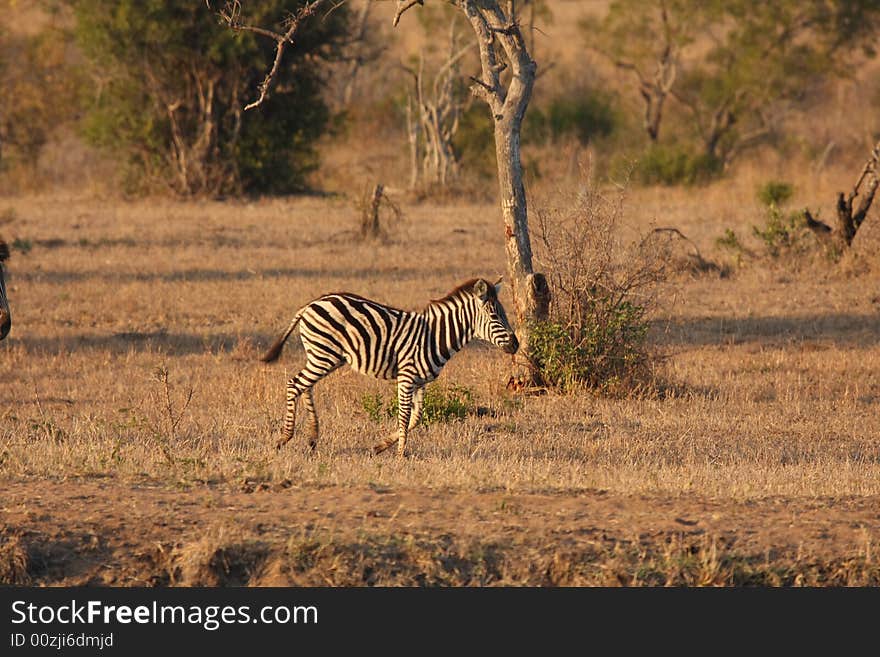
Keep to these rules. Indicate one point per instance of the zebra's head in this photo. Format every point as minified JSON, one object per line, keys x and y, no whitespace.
{"x":491,"y":322}
{"x":5,"y":316}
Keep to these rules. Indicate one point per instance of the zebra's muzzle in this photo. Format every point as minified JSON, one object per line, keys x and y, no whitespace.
{"x":5,"y":323}
{"x":512,"y":345}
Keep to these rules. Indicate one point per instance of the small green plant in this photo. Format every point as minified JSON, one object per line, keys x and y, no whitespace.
{"x":782,"y":232}
{"x":374,"y":407}
{"x":730,"y":242}
{"x":441,"y":404}
{"x":22,"y":245}
{"x":775,"y":192}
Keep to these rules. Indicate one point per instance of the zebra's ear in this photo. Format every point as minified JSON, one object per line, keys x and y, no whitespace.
{"x":498,"y":285}
{"x":481,"y":289}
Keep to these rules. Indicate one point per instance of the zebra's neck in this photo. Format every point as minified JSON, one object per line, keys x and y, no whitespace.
{"x":451,"y":325}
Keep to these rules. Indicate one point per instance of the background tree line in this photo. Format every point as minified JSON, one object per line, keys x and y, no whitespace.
{"x":683,"y":87}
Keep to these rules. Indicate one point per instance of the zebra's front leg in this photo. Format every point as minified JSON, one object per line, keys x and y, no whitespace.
{"x":405,"y":389}
{"x":407,"y":416}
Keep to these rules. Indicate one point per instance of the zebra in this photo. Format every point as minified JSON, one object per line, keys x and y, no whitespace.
{"x":388,"y":343}
{"x":5,"y":315}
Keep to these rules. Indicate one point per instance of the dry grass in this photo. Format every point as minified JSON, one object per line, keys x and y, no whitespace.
{"x":425,"y":560}
{"x":14,"y":561}
{"x":772,"y":377}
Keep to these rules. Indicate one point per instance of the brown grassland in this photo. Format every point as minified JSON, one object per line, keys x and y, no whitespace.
{"x":758,"y":461}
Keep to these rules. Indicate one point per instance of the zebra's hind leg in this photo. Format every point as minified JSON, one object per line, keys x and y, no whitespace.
{"x":418,"y":405}
{"x":314,"y":371}
{"x":293,"y":394}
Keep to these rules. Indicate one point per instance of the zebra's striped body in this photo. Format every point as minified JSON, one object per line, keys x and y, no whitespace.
{"x":388,"y":343}
{"x":5,"y":315}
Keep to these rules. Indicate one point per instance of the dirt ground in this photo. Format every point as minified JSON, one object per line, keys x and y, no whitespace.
{"x":107,"y":533}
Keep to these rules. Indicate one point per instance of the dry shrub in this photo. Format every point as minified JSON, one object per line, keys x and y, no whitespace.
{"x":683,"y":256}
{"x":223,"y":557}
{"x":14,"y":561}
{"x":379,"y":215}
{"x":604,"y":292}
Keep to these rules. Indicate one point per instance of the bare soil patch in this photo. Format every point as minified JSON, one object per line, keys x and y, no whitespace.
{"x":111,"y":533}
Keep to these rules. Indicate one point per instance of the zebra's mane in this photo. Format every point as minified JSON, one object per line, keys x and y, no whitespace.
{"x":467,"y":286}
{"x":4,"y":251}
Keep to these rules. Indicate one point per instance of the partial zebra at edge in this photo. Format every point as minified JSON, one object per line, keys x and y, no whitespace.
{"x":5,"y":314}
{"x":389,"y":343}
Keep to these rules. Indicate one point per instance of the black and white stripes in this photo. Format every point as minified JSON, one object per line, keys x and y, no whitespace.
{"x":5,"y":315}
{"x":388,"y":343}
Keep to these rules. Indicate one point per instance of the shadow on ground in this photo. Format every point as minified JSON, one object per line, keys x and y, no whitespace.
{"x":172,"y":344}
{"x":845,"y":329}
{"x":199,"y":275}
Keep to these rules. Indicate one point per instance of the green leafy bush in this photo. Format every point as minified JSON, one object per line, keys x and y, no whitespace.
{"x":441,"y":404}
{"x":604,"y":291}
{"x":176,"y":83}
{"x":585,"y":116}
{"x":474,"y":142}
{"x":676,"y":165}
{"x":605,"y":351}
{"x":782,"y":232}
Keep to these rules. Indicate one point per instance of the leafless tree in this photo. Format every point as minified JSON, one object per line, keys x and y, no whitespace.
{"x":663,"y":57}
{"x":189,"y":154}
{"x":432,"y":126}
{"x":361,"y":48}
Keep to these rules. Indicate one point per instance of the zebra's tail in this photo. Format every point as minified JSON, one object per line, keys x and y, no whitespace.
{"x":275,"y":350}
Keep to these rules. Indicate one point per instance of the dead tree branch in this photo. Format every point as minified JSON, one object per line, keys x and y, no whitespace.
{"x":231,"y":15}
{"x":402,"y":6}
{"x":848,"y":219}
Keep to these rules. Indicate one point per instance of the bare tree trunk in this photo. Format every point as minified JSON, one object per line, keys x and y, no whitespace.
{"x":412,"y":133}
{"x":508,"y":106}
{"x":370,"y":227}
